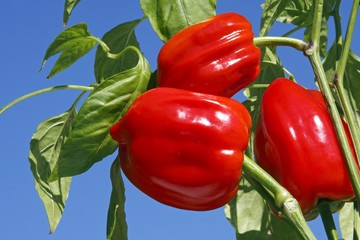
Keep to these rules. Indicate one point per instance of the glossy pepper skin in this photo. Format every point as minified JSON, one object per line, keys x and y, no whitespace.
{"x":183,"y":149}
{"x":296,"y":143}
{"x":216,"y":56}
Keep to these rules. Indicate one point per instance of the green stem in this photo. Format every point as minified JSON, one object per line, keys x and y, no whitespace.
{"x":293,"y":31}
{"x":351,"y":119}
{"x":41,"y":91}
{"x":328,"y":221}
{"x":115,"y":56}
{"x":264,"y":193}
{"x":336,"y":119}
{"x":101,"y":43}
{"x":259,"y":85}
{"x":316,"y":27}
{"x":256,"y":172}
{"x":283,"y":199}
{"x":314,"y":57}
{"x":339,"y":80}
{"x":346,"y":49}
{"x":281,"y":41}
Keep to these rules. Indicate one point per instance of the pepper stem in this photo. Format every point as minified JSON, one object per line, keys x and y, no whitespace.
{"x":287,"y":204}
{"x":281,"y":41}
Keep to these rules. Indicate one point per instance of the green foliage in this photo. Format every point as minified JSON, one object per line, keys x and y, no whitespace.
{"x":252,"y":217}
{"x":271,"y":12}
{"x":89,"y":140}
{"x":68,"y":8}
{"x":349,"y":219}
{"x":116,"y":222}
{"x":299,"y":13}
{"x":117,"y":39}
{"x":167,"y":18}
{"x":71,"y":143}
{"x":45,"y":147}
{"x":352,"y":84}
{"x":73,"y":43}
{"x":271,"y":68}
{"x":248,"y":211}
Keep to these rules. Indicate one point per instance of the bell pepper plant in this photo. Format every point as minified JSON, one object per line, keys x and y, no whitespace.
{"x":183,"y":136}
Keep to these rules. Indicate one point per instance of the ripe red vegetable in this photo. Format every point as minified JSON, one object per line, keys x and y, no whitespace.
{"x":184,"y":149}
{"x":216,"y":56}
{"x":296,"y":143}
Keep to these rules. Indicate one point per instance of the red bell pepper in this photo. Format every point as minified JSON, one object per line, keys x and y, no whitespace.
{"x":296,"y":143}
{"x":184,"y":149}
{"x":216,"y":56}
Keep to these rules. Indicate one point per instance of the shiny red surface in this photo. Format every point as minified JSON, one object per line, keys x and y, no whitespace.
{"x":295,"y":142}
{"x":216,"y":56}
{"x":184,"y":149}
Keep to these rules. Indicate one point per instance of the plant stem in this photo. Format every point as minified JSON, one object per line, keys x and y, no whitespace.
{"x":346,"y":49}
{"x":281,"y":41}
{"x":264,"y":193}
{"x":316,"y":27}
{"x":336,"y":119}
{"x":283,"y":199}
{"x":328,"y":221}
{"x":256,"y":172}
{"x":259,"y":85}
{"x":41,"y":91}
{"x":339,"y":80}
{"x":314,"y":57}
{"x":292,"y":31}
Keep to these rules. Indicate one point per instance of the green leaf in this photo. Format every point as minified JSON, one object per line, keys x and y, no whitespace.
{"x":282,"y":230}
{"x":116,"y":219}
{"x":347,"y":224}
{"x":323,"y":35}
{"x":271,"y":69}
{"x":331,"y":59}
{"x":169,"y":17}
{"x":45,"y":147}
{"x":90,"y":141}
{"x":301,"y":12}
{"x":352,"y":84}
{"x":271,"y":11}
{"x":68,"y":8}
{"x":153,"y":80}
{"x":297,"y":12}
{"x":117,"y":39}
{"x":247,"y":213}
{"x":351,"y":76}
{"x":73,"y":43}
{"x":252,"y":218}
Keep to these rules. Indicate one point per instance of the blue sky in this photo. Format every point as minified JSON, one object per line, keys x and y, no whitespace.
{"x":28,"y":28}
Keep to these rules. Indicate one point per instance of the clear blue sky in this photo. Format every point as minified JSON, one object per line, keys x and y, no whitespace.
{"x":28,"y":27}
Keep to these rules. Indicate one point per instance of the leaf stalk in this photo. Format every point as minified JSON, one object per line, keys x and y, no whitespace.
{"x":41,"y":91}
